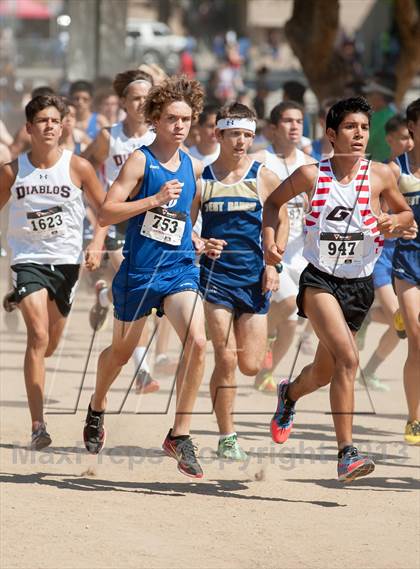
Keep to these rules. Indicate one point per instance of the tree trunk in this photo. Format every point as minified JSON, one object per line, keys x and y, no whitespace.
{"x":81,"y":49}
{"x":312,"y":32}
{"x":408,"y":22}
{"x":112,"y":31}
{"x":164,"y":10}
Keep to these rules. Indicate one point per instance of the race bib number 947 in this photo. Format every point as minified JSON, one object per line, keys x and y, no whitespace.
{"x":46,"y":223}
{"x":164,"y":226}
{"x":341,"y":248}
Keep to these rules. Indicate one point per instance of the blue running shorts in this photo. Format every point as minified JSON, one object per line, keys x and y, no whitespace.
{"x":382,"y":273}
{"x":240,"y":300}
{"x":135,"y":294}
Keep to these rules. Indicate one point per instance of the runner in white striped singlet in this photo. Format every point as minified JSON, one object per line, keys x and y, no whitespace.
{"x":342,"y":243}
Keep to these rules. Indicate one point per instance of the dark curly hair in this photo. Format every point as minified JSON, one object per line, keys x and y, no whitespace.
{"x":174,"y":89}
{"x":341,"y":109}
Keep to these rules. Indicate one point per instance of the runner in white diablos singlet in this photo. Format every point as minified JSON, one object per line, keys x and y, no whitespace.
{"x":45,"y":187}
{"x":343,"y":239}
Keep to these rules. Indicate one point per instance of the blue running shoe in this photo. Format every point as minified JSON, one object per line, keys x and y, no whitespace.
{"x":282,"y":421}
{"x":352,"y":465}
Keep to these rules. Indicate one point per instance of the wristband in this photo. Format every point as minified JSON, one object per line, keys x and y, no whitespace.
{"x":279,"y":267}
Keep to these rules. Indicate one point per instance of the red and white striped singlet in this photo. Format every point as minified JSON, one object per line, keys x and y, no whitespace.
{"x":341,"y":234}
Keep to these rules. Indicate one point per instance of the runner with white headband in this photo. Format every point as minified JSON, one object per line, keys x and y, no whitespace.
{"x":235,"y":123}
{"x":234,"y":280}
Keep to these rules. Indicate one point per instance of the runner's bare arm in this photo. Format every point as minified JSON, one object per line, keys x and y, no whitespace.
{"x":102,"y":121}
{"x":7,"y":177}
{"x":116,"y":208}
{"x":5,"y":155}
{"x":196,"y":204}
{"x":395,"y":170}
{"x":97,"y":151}
{"x":269,"y":182}
{"x":211,"y":247}
{"x":302,"y":180}
{"x":402,"y":217}
{"x":82,"y":172}
{"x":84,"y":176}
{"x":198,"y":242}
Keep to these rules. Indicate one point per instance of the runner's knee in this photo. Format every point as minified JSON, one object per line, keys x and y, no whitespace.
{"x":197,"y":343}
{"x":251,"y":366}
{"x":347,"y":361}
{"x":120,"y":356}
{"x":226,"y":361}
{"x":38,"y":338}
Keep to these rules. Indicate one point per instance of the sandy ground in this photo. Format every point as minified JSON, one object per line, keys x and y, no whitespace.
{"x":130,"y":508}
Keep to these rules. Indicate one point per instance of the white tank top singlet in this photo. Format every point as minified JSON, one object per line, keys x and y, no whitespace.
{"x":46,"y":214}
{"x":341,"y":234}
{"x":120,"y":148}
{"x":295,"y":206}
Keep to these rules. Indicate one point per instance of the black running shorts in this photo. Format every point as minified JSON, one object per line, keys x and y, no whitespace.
{"x":355,"y":296}
{"x":59,"y":280}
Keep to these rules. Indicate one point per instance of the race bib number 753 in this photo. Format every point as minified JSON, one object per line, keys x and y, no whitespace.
{"x":341,"y":248}
{"x":164,"y":226}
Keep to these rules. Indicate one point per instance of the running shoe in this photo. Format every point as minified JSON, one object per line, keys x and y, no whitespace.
{"x":98,"y":313}
{"x":145,"y":383}
{"x":230,"y":449}
{"x":265,"y":382}
{"x":282,"y":421}
{"x":373,"y":382}
{"x":94,"y":431}
{"x":40,"y":438}
{"x":9,"y":301}
{"x":399,"y":324}
{"x":412,"y":432}
{"x":183,"y":451}
{"x":352,"y":465}
{"x":164,"y":366}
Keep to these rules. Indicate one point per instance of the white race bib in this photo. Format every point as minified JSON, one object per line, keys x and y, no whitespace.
{"x":341,"y":248}
{"x":165,"y":226}
{"x":46,"y":223}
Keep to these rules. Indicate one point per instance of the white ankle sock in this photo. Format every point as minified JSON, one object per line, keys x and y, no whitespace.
{"x":161,"y":359}
{"x":138,"y":357}
{"x":222,"y":437}
{"x":103,"y":298}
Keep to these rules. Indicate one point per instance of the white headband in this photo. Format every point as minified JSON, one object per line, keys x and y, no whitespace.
{"x":246,"y":124}
{"x":137,"y":82}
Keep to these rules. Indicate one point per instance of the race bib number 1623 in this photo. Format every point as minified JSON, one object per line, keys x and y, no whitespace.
{"x":46,"y":223}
